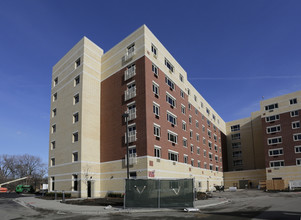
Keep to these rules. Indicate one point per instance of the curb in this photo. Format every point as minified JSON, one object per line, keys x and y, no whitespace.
{"x":214,"y":204}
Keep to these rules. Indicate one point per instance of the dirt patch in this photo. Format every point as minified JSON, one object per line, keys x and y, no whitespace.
{"x":97,"y":202}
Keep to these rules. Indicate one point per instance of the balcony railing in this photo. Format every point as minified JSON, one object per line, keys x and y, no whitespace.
{"x":129,"y":73}
{"x":132,"y":137}
{"x":130,"y":93}
{"x":132,"y":114}
{"x":129,"y":54}
{"x":132,"y":159}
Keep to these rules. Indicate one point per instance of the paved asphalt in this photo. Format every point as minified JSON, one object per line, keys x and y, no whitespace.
{"x":243,"y":205}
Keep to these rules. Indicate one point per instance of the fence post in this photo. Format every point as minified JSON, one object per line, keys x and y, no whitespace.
{"x":63,"y":196}
{"x":55,"y":195}
{"x":159,"y":193}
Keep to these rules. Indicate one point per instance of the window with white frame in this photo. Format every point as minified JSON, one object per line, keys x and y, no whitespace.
{"x":274,"y":140}
{"x":294,"y":113}
{"x":295,"y":124}
{"x":214,"y":127}
{"x":278,"y":163}
{"x":199,"y":166}
{"x":216,"y":158}
{"x":272,"y":118}
{"x":155,"y":88}
{"x":208,"y":111}
{"x":184,"y":142}
{"x":183,"y":109}
{"x":213,"y":117}
{"x":203,"y":128}
{"x":197,"y":137}
{"x":74,"y":156}
{"x":208,"y":123}
{"x":210,"y":155}
{"x":297,"y":137}
{"x":205,"y":153}
{"x":76,"y":99}
{"x":55,"y":81}
{"x":209,"y":133}
{"x":53,"y":112}
{"x":189,"y":106}
{"x":172,"y":137}
{"x":75,"y":137}
{"x":191,"y":148}
{"x":273,"y":129}
{"x":276,"y":152}
{"x":196,"y":123}
{"x":298,"y":161}
{"x":185,"y":158}
{"x":156,"y":109}
{"x":188,"y":91}
{"x":184,"y":127}
{"x":297,"y":149}
{"x":210,"y":144}
{"x":181,"y":77}
{"x":169,"y":65}
{"x":53,"y":128}
{"x":52,"y":145}
{"x":195,"y":98}
{"x":170,"y":99}
{"x":156,"y":130}
{"x":157,"y":151}
{"x":75,"y":117}
{"x":76,"y":80}
{"x":170,"y":83}
{"x":192,"y":162}
{"x":182,"y":94}
{"x":154,"y":50}
{"x":235,"y":136}
{"x":171,"y":118}
{"x":190,"y":134}
{"x":77,"y":63}
{"x":172,"y":155}
{"x":271,"y":107}
{"x":216,"y":168}
{"x":215,"y":148}
{"x":204,"y":140}
{"x":293,"y":101}
{"x":210,"y":167}
{"x":236,"y":154}
{"x":155,"y":69}
{"x":190,"y":119}
{"x":198,"y":150}
{"x":235,"y":127}
{"x":215,"y":137}
{"x":54,"y":97}
{"x":52,"y":162}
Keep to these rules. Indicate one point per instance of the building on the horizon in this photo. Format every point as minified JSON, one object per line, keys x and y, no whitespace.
{"x":173,"y":131}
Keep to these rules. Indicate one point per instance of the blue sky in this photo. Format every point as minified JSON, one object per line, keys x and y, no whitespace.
{"x":234,"y":52}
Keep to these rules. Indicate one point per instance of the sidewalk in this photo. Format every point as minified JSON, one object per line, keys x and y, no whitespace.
{"x":57,"y":206}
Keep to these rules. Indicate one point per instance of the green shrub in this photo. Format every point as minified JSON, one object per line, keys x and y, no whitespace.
{"x":115,"y":195}
{"x":59,"y":194}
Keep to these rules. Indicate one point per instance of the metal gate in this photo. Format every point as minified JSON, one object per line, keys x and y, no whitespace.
{"x":159,"y":193}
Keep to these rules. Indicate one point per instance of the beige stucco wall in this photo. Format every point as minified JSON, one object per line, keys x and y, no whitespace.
{"x":254,"y":176}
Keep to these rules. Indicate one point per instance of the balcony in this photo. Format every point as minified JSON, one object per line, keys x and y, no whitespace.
{"x":132,"y":137}
{"x":129,"y":54}
{"x":132,"y":114}
{"x":132,"y":159}
{"x":129,"y":93}
{"x":129,"y":73}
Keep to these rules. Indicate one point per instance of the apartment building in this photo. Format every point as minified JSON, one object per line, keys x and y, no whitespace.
{"x":267,"y":144}
{"x":172,"y":130}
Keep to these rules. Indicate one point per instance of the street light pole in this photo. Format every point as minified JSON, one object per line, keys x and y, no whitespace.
{"x":126,"y":115}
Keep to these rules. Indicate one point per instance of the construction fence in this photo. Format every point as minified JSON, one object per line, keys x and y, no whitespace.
{"x":159,"y":193}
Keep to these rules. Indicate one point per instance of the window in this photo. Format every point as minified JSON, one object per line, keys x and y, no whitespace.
{"x":209,"y":133}
{"x":76,"y":80}
{"x":157,"y":151}
{"x":236,"y":145}
{"x":272,"y":118}
{"x":215,"y":137}
{"x":155,"y":88}
{"x":279,"y":163}
{"x":55,"y":81}
{"x":75,"y":137}
{"x":297,"y":137}
{"x":216,"y":158}
{"x":54,"y":112}
{"x":75,"y":156}
{"x":294,"y":113}
{"x":204,"y":140}
{"x":188,"y":91}
{"x":75,"y":117}
{"x":275,"y":140}
{"x":181,"y":77}
{"x":131,"y":48}
{"x":155,"y":69}
{"x":183,"y":109}
{"x":196,"y":111}
{"x":53,"y":129}
{"x":208,"y":111}
{"x":156,"y":109}
{"x":157,"y":130}
{"x":184,"y":127}
{"x":202,"y":104}
{"x":235,"y":136}
{"x":172,"y":155}
{"x":236,"y":154}
{"x":237,"y":162}
{"x":276,"y":152}
{"x":298,"y":161}
{"x":273,"y":129}
{"x":205,"y":153}
{"x":191,"y":148}
{"x":52,"y":145}
{"x":76,"y":99}
{"x":171,"y":100}
{"x":184,"y":142}
{"x":195,"y":98}
{"x":169,"y":66}
{"x":215,"y":147}
{"x":191,"y":134}
{"x":198,"y":150}
{"x":208,"y":123}
{"x":271,"y":107}
{"x":154,"y":50}
{"x":52,"y":180}
{"x":295,"y":124}
{"x":54,"y":98}
{"x":77,"y":63}
{"x":190,"y":119}
{"x":52,"y":162}
{"x":75,"y":182}
{"x":210,"y":156}
{"x":197,"y":123}
{"x":210,"y":166}
{"x":297,"y":149}
{"x":185,"y":158}
{"x":210,"y":144}
{"x":293,"y":101}
{"x":235,"y":127}
{"x":170,"y":83}
{"x":171,"y":118}
{"x":199,"y":166}
{"x":203,"y":128}
{"x":205,"y":165}
{"x":172,"y":137}
{"x":216,"y":168}
{"x":213,"y":117}
{"x":214,"y":127}
{"x":192,"y":162}
{"x":189,"y":106}
{"x":182,"y":94}
{"x":197,"y":137}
